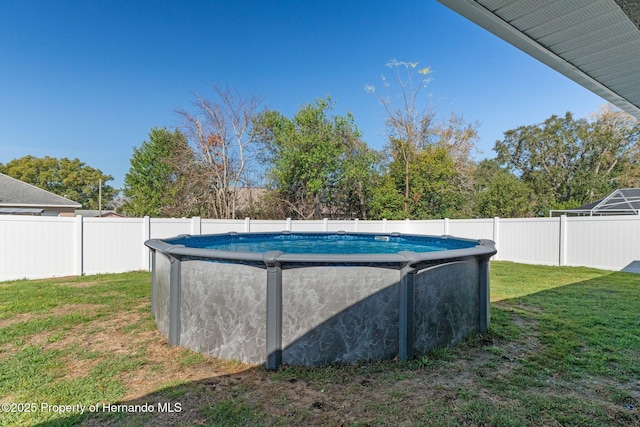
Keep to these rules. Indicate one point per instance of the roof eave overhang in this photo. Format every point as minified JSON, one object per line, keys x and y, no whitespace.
{"x":489,"y":21}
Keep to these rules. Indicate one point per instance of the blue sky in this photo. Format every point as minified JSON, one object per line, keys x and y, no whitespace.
{"x":89,"y":79}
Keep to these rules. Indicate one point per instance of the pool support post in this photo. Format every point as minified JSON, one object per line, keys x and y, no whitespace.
{"x":484,"y":299}
{"x":153,"y":282}
{"x":175,"y":285}
{"x":274,"y":310}
{"x":406,"y":325}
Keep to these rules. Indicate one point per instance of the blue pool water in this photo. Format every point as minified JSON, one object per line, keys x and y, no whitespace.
{"x":309,"y":243}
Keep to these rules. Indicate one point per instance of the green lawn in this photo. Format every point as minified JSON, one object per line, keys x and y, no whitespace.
{"x":563,"y":349}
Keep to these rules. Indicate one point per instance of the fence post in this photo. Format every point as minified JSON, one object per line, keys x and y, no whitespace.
{"x":446,"y":227}
{"x":78,"y":245}
{"x":288,"y":224}
{"x":384,"y":225}
{"x":146,"y":235}
{"x":196,"y":226}
{"x":355,"y":225}
{"x":247,"y":225}
{"x":563,"y":241}
{"x":325,"y":224}
{"x":496,"y":235}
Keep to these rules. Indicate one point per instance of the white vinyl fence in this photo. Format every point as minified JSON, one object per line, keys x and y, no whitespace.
{"x":41,"y":247}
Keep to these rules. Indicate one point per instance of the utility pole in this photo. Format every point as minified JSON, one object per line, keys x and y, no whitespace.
{"x":100,"y":199}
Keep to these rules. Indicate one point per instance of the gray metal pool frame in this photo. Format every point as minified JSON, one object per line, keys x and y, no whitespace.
{"x":337,"y":308}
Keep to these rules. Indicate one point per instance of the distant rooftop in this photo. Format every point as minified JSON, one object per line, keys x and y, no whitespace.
{"x":15,"y":193}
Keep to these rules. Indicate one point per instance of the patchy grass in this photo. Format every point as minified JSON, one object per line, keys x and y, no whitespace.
{"x":563,"y":349}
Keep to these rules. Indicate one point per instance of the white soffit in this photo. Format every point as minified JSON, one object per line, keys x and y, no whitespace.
{"x":596,"y":43}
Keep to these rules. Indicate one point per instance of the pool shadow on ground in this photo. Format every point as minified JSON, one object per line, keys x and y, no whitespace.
{"x":587,"y":328}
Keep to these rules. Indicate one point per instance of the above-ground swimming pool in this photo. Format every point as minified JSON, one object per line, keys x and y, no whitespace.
{"x":316,"y":298}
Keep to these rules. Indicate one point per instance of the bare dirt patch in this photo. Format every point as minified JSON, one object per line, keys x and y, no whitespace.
{"x":104,"y":335}
{"x":120,"y":336}
{"x":86,"y":309}
{"x":57,"y":311}
{"x":81,"y":284}
{"x":18,"y":318}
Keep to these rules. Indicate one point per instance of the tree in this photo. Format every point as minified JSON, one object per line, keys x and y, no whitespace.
{"x":156,"y":182}
{"x":500,"y":193}
{"x":459,"y":139}
{"x":415,"y":139}
{"x":219,"y":134}
{"x":409,"y":125}
{"x":316,"y":163}
{"x":386,"y":201}
{"x":72,"y":179}
{"x":357,"y":178}
{"x":569,"y":162}
{"x":432,"y":183}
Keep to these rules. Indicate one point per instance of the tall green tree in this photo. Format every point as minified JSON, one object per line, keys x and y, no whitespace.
{"x":316,"y":163}
{"x":387,"y":200}
{"x":568,"y":162}
{"x":500,"y":193}
{"x":432,"y":184}
{"x":357,"y":178}
{"x":72,"y":179}
{"x":433,"y":188}
{"x":156,"y":182}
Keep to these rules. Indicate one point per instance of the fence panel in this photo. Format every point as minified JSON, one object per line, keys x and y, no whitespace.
{"x":112,"y":245}
{"x":603,"y":242}
{"x":341,"y":225}
{"x":471,"y":228}
{"x":38,"y":247}
{"x":401,"y":226}
{"x":530,"y":240}
{"x":162,"y":228}
{"x":433,"y":227}
{"x":314,"y":225}
{"x":265,"y":226}
{"x":215,"y":226}
{"x":371,"y":226}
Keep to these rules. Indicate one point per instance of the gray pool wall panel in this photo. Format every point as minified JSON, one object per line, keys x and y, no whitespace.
{"x":446,"y":305}
{"x":339,"y":314}
{"x":224,"y":310}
